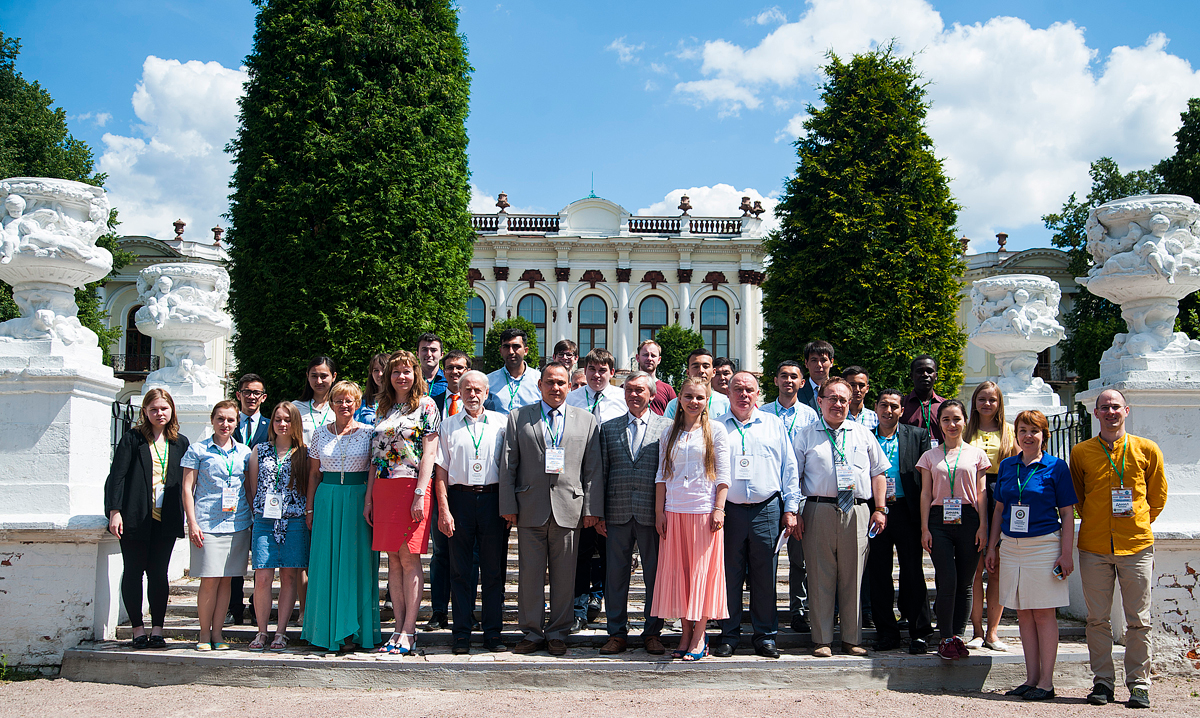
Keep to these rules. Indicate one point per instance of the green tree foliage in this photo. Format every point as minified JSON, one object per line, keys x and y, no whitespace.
{"x":350,"y":230}
{"x":676,"y":343}
{"x":866,"y":256}
{"x":35,"y":142}
{"x":1092,"y":321}
{"x":1181,"y":175}
{"x":491,"y":343}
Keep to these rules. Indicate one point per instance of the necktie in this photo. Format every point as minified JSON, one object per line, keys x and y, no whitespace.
{"x":635,"y":427}
{"x":596,"y":405}
{"x":845,"y":497}
{"x":246,"y":435}
{"x":554,"y":422}
{"x":453,"y":405}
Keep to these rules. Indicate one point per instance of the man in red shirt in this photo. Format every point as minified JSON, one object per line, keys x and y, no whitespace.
{"x":920,"y":408}
{"x":649,"y":356}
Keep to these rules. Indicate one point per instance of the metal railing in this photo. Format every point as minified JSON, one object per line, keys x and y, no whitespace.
{"x":124,"y":415}
{"x":134,"y":363}
{"x":1067,"y":430}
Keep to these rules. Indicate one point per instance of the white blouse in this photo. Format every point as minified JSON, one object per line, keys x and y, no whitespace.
{"x":341,"y":453}
{"x":689,"y":490}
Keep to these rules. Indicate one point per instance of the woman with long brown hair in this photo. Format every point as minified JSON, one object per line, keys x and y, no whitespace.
{"x":374,"y":391}
{"x":143,"y":503}
{"x":277,"y":488}
{"x":690,"y":489}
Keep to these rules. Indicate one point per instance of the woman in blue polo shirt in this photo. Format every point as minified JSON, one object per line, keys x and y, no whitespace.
{"x":1035,"y":510}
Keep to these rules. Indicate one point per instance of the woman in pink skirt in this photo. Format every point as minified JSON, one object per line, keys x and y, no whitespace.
{"x":693,"y":478}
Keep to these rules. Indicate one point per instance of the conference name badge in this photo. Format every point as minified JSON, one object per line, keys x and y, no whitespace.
{"x":952,"y":511}
{"x":933,"y":443}
{"x":273,"y":506}
{"x":1018,"y":520}
{"x":891,"y":488}
{"x":1122,"y":503}
{"x":229,"y":499}
{"x":741,"y":467}
{"x":475,"y":472}
{"x":845,"y":476}
{"x":556,"y":459}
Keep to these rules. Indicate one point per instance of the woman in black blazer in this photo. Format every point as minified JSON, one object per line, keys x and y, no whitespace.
{"x":143,"y":500}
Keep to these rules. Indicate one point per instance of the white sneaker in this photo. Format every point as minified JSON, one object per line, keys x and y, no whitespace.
{"x":996,"y":645}
{"x":976,"y":642}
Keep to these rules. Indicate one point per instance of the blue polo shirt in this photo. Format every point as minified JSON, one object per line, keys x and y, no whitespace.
{"x":1048,"y":489}
{"x":215,"y":470}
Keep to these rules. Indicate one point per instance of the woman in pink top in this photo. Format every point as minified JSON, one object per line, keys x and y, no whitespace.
{"x":953,"y":522}
{"x":690,"y":489}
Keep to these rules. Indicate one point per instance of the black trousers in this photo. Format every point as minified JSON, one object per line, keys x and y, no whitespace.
{"x":151,"y":559}
{"x":955,"y":558}
{"x":591,"y":568}
{"x":477,"y":524}
{"x":439,"y":566}
{"x":751,"y":532}
{"x":903,"y":537}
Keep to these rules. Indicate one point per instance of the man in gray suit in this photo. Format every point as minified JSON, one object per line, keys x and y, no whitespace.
{"x":551,"y":485}
{"x":629,"y":447}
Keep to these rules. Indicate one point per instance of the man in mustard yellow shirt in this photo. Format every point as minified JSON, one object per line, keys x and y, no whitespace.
{"x":1122,"y":488}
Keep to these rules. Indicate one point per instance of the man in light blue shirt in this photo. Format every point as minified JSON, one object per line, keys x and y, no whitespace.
{"x":763,"y":499}
{"x":516,"y":383}
{"x":700,"y":364}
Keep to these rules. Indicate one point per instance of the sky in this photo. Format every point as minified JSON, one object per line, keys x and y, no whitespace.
{"x":648,"y":101}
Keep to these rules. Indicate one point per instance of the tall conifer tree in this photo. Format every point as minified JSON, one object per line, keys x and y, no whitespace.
{"x":866,"y":256}
{"x":350,"y":230}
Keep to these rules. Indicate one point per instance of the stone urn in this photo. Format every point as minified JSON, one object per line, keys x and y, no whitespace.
{"x":183,"y":308}
{"x":1018,"y":318}
{"x":1146,"y":258}
{"x":48,"y":234}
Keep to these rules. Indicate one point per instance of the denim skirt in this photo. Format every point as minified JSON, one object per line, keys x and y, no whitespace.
{"x":269,"y":553}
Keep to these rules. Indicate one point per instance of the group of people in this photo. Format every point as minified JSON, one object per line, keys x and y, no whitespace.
{"x":702,"y":489}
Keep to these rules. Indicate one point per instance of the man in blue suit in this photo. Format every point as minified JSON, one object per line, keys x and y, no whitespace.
{"x":251,"y":430}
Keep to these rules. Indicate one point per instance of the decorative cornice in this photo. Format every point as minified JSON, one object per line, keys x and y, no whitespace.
{"x":684,"y":276}
{"x":593,"y":277}
{"x":749,"y":276}
{"x":501,"y":273}
{"x":562,"y":274}
{"x":655,"y":277}
{"x":474,"y":275}
{"x":715,"y":278}
{"x":623,"y":274}
{"x":532,"y":276}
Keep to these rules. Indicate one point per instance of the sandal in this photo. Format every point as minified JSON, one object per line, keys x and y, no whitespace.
{"x":392,"y":643}
{"x":222,"y":646}
{"x":280,"y":643}
{"x":693,"y":657}
{"x":204,"y":646}
{"x":259,"y":643}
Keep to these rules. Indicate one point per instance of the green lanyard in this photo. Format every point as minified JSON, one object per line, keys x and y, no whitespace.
{"x":892,"y":446}
{"x":599,"y":396}
{"x":161,"y":458}
{"x":228,"y":460}
{"x":323,"y":414}
{"x":946,"y":458}
{"x":554,"y":441}
{"x":472,"y":433}
{"x":1124,"y":452}
{"x":275,"y":481}
{"x":795,"y":415}
{"x":737,"y":425}
{"x":1022,"y":484}
{"x":927,"y":414}
{"x":838,"y":453}
{"x":508,"y":380}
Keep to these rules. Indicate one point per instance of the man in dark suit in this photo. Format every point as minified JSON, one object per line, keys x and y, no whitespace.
{"x":551,"y":486}
{"x":818,"y":360}
{"x":629,"y":448}
{"x":251,"y":430}
{"x":903,"y":444}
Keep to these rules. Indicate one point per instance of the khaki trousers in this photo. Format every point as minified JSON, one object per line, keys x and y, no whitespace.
{"x":835,"y":552}
{"x":1098,"y":572}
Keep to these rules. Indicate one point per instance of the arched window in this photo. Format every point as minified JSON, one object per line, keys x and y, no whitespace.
{"x":138,"y":349}
{"x":714,"y":326}
{"x":533,"y":308}
{"x":475,"y":319}
{"x":593,"y":325}
{"x":652,"y":316}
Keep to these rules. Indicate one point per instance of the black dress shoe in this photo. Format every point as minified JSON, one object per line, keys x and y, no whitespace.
{"x":140,"y":642}
{"x":437,"y":622}
{"x":918,"y":647}
{"x":887,"y":643}
{"x":593,"y":608}
{"x":157,"y":642}
{"x":578,"y":625}
{"x":475,"y":625}
{"x":1101,"y":695}
{"x":1038,"y":694}
{"x":461,"y":646}
{"x":722,"y":650}
{"x":767,"y":649}
{"x":800,"y":624}
{"x":867,"y":620}
{"x":495,"y":645}
{"x":1020,"y":690}
{"x":902,"y":625}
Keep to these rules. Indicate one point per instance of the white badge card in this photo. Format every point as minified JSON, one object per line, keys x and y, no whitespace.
{"x":952,"y":511}
{"x":273,"y":506}
{"x":933,"y":443}
{"x":1018,"y":520}
{"x":229,"y":499}
{"x":742,"y":464}
{"x":475,"y":475}
{"x":845,"y":476}
{"x":891,"y":488}
{"x":556,"y":459}
{"x":159,"y":490}
{"x":1122,"y":503}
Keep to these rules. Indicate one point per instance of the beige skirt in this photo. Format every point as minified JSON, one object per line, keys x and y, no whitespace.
{"x":222,"y":555}
{"x":1027,"y":580}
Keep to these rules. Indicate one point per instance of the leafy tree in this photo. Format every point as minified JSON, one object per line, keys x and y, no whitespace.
{"x":35,"y":142}
{"x":866,"y":255}
{"x":350,"y":230}
{"x":1093,"y":320}
{"x":1181,"y":175}
{"x":676,"y":343}
{"x":491,"y":343}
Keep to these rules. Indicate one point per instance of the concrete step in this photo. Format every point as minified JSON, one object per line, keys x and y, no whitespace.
{"x":582,"y":669}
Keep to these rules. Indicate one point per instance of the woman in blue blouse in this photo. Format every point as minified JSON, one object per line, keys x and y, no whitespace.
{"x":1035,"y":510}
{"x":214,"y":499}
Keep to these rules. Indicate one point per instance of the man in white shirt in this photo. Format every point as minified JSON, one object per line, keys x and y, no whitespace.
{"x":763,"y":498}
{"x":860,"y":384}
{"x":842,"y":469}
{"x":795,"y":416}
{"x":700,"y":364}
{"x":516,"y":383}
{"x":468,"y":478}
{"x":599,"y":397}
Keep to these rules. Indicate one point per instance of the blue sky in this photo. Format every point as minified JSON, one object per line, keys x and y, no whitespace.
{"x":653,"y":98}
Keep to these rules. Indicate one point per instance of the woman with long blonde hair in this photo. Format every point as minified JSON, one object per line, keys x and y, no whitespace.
{"x":987,"y":430}
{"x":690,"y":489}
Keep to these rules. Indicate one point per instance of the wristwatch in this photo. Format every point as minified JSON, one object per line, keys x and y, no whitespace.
{"x":883,"y":510}
{"x":419,"y":491}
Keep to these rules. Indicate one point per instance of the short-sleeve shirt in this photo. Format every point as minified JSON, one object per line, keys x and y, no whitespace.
{"x":989,"y":441}
{"x":1047,"y":488}
{"x":461,"y":439}
{"x":718,"y":405}
{"x":816,"y":457}
{"x":866,"y":417}
{"x":216,"y":470}
{"x":312,"y":417}
{"x":689,"y":490}
{"x":966,"y":462}
{"x":794,"y":417}
{"x":346,"y":453}
{"x":399,"y":439}
{"x":608,"y":405}
{"x":512,"y":394}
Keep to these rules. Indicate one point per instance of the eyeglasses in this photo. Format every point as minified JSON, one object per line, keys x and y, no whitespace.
{"x":252,"y":394}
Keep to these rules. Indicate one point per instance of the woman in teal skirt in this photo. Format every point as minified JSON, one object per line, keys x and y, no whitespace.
{"x":342,"y":612}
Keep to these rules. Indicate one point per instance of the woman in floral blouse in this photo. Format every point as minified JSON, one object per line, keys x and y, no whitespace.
{"x":397,"y":505}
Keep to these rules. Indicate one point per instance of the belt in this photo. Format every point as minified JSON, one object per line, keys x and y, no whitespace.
{"x":772,"y":497}
{"x":344,"y":478}
{"x":833,"y":500}
{"x":485,"y":489}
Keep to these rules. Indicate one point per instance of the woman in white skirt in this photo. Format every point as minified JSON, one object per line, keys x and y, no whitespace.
{"x":219,"y":519}
{"x":1035,"y":511}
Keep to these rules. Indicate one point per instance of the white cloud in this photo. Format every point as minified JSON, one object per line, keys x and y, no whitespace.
{"x":719,"y":200}
{"x":1017,"y":112}
{"x":770,"y":16}
{"x":175,"y":165}
{"x":99,"y":119}
{"x":625,"y":52}
{"x":794,"y":128}
{"x":651,"y":86}
{"x":485,"y":203}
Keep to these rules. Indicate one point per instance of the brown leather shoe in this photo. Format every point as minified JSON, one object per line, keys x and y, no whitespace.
{"x":616,"y":644}
{"x":851,"y":650}
{"x":823,"y":651}
{"x":528,"y":646}
{"x":654,"y":645}
{"x":556,"y":647}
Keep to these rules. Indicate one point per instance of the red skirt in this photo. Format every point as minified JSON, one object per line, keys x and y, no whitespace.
{"x":394,"y":527}
{"x":690,"y":583}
